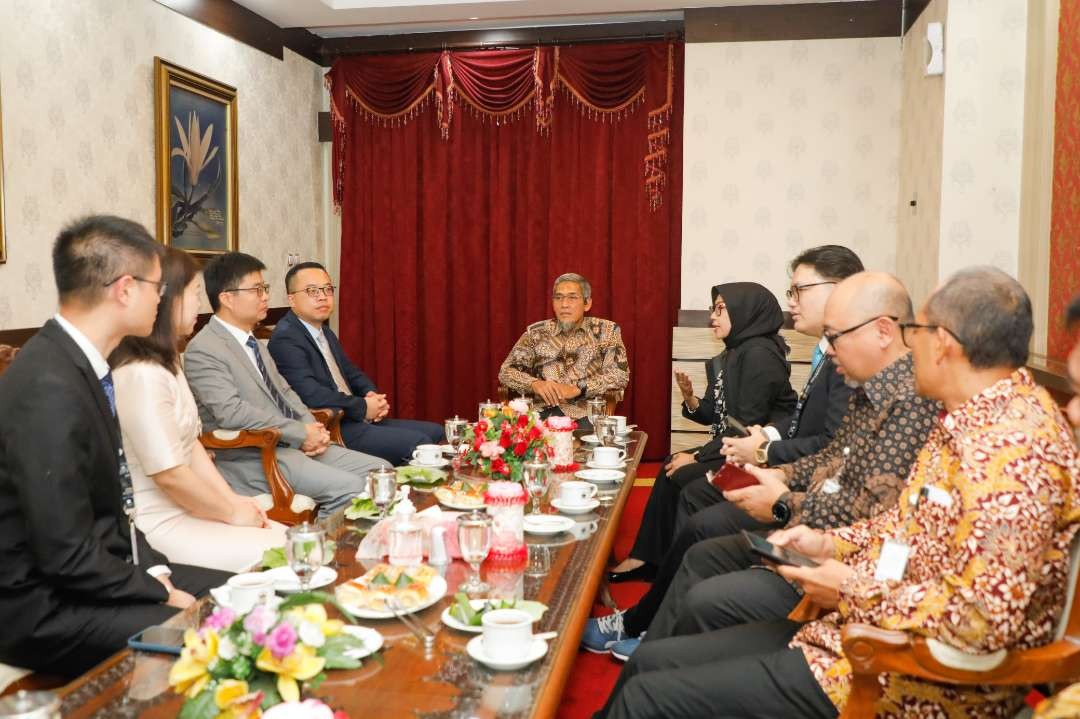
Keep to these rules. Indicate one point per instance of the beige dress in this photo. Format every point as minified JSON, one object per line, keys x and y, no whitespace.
{"x":160,"y":425}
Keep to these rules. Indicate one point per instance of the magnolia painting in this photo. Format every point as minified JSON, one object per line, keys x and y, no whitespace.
{"x":198,"y":178}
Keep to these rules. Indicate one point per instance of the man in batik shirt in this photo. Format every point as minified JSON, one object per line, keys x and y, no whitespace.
{"x":565,"y":360}
{"x":978,"y":544}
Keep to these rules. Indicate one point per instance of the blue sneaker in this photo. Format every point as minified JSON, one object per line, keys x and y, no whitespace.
{"x":600,"y":633}
{"x":622,"y":650}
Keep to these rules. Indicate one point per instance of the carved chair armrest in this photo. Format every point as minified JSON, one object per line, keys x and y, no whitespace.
{"x":806,"y":611}
{"x":266,"y":441}
{"x":331,"y":419}
{"x":873,"y":651}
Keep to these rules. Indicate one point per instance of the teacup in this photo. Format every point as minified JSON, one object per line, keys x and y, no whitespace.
{"x":620,"y":423}
{"x":507,"y":634}
{"x":575,"y":493}
{"x":248,"y":589}
{"x":427,"y":453}
{"x":608,"y":456}
{"x":584,"y":530}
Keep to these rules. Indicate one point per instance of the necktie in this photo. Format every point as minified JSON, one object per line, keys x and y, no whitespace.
{"x":335,"y":370}
{"x":109,"y":390}
{"x":282,"y":404}
{"x":819,"y":355}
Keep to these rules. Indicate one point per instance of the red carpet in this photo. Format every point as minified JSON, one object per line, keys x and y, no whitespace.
{"x":593,"y":675}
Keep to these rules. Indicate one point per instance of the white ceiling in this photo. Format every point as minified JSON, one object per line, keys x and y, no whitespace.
{"x":330,"y":18}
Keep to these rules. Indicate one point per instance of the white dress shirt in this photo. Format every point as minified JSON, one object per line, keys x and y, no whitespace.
{"x":241,"y":337}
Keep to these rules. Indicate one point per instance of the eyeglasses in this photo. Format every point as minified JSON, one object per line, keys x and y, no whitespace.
{"x":792,"y":292}
{"x":832,"y":337}
{"x":161,"y":286}
{"x":566,"y":298}
{"x":718,"y":308}
{"x":260,"y":290}
{"x":317,"y":292}
{"x":905,"y":326}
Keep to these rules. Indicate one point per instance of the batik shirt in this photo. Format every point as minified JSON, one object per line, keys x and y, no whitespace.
{"x":989,"y":551}
{"x":886,"y":425}
{"x":592,"y":352}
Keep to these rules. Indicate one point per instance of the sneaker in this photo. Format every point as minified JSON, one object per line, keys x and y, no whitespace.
{"x":601,"y":632}
{"x":622,"y":650}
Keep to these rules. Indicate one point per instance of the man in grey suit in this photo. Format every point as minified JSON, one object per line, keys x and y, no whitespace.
{"x":237,"y":386}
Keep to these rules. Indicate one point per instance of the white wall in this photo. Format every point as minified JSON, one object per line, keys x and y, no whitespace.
{"x":78,"y":105}
{"x":787,"y":145}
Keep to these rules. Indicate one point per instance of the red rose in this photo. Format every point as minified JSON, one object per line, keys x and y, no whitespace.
{"x":535,"y":433}
{"x":499,"y":466}
{"x":481,"y":426}
{"x":519,"y":449}
{"x":504,"y":440}
{"x":522,"y":420}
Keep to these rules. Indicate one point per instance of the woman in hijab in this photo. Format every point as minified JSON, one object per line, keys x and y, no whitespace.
{"x":748,"y":381}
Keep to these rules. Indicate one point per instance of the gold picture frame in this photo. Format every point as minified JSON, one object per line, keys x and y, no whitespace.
{"x":3,"y":242}
{"x":195,"y":141}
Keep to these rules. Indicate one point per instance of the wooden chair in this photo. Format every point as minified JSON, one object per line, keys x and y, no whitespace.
{"x":873,"y":651}
{"x":283,"y":504}
{"x":7,"y":354}
{"x":613,"y":397}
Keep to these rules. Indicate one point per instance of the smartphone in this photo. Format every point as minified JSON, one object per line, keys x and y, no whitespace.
{"x":164,"y":640}
{"x":737,"y":426}
{"x":778,"y":555}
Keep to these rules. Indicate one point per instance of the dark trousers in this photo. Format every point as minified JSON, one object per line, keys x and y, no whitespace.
{"x":79,"y":636}
{"x":697,"y":496}
{"x":391,"y":439}
{"x":657,"y":530}
{"x":721,"y":520}
{"x":743,"y":671}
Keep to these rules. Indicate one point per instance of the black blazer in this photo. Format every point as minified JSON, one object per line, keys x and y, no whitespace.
{"x":63,"y":535}
{"x":824,"y":410}
{"x":757,"y":389}
{"x":301,"y":363}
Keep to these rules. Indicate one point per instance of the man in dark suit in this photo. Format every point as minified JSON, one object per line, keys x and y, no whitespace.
{"x":78,"y":578}
{"x":309,"y":356}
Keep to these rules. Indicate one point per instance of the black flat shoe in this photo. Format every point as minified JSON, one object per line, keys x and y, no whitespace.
{"x":645,"y":573}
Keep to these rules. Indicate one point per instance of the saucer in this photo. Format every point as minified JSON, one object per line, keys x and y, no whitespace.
{"x":546,"y":524}
{"x":593,"y":465}
{"x":443,"y":461}
{"x":475,"y":648}
{"x":601,"y":475}
{"x":222,"y":597}
{"x":575,"y":508}
{"x":593,"y":439}
{"x":372,"y":640}
{"x":285,"y":580}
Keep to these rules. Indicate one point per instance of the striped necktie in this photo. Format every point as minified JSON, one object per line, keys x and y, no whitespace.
{"x":281,"y":402}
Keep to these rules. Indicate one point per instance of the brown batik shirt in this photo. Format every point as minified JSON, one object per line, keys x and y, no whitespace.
{"x":592,"y":352}
{"x":886,"y":425}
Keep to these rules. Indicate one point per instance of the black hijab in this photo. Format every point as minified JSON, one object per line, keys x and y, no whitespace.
{"x":754,"y":312}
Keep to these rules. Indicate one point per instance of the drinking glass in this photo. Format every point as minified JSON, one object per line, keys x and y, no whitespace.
{"x":605,"y":431}
{"x":535,"y":475}
{"x":595,"y":407}
{"x":455,"y":432}
{"x":474,"y":540}
{"x":305,"y":548}
{"x":383,"y":487}
{"x":488,"y":409}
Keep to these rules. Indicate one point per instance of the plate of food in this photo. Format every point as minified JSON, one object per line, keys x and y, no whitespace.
{"x":419,"y":476}
{"x":414,"y":588}
{"x":461,"y":495}
{"x":464,"y":614}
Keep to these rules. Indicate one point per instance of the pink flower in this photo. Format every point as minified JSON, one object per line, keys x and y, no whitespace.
{"x":259,"y":621}
{"x":520,"y":405}
{"x":560,"y":424}
{"x":491,"y":449}
{"x":220,"y":619}
{"x":282,"y":640}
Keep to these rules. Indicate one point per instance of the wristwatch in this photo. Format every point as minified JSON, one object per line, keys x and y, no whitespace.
{"x":761,"y":454}
{"x":781,"y":509}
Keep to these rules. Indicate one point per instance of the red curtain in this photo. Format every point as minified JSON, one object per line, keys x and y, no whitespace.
{"x":468,"y":181}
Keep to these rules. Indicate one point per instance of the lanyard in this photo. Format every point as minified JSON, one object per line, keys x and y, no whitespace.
{"x":794,"y":427}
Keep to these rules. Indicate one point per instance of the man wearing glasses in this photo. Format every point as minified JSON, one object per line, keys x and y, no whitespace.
{"x":564,"y":360}
{"x":311,"y":359}
{"x":237,"y":386}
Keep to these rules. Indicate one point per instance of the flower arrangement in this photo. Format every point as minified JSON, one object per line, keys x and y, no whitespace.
{"x":499,"y":444}
{"x":236,"y":665}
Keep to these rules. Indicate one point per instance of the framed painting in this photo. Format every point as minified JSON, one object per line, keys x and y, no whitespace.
{"x":195,"y":133}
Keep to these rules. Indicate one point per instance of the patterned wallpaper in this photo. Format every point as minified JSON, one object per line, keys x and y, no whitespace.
{"x":922,"y":121}
{"x":1065,"y":212}
{"x":985,"y":49}
{"x":787,"y":145}
{"x":78,"y":103}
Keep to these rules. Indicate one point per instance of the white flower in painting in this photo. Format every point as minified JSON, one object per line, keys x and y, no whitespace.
{"x":194,"y":146}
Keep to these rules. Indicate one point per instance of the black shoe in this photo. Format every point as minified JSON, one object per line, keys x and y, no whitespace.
{"x":645,"y":573}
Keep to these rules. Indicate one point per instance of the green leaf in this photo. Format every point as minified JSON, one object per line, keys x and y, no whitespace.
{"x":361,"y":508}
{"x":463,"y":611}
{"x":301,"y":598}
{"x":201,"y":707}
{"x":274,"y":558}
{"x":267,"y":684}
{"x":403,"y":581}
{"x":315,"y":681}
{"x":379,"y":580}
{"x":335,"y":648}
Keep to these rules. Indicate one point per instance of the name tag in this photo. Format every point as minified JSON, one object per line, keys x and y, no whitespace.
{"x":830,"y":486}
{"x":938,"y":496}
{"x":893,"y":561}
